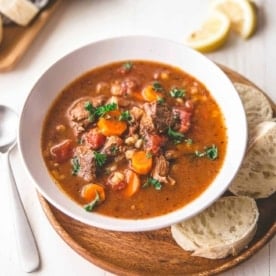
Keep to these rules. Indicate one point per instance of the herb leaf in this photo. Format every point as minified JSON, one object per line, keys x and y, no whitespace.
{"x":209,"y":152}
{"x":114,"y":149}
{"x":91,"y":109}
{"x":128,"y":65}
{"x":98,"y":111}
{"x":103,"y":109}
{"x":90,"y":206}
{"x":156,"y":86}
{"x":177,"y":93}
{"x":100,"y":158}
{"x":125,"y":116}
{"x":75,"y":165}
{"x":177,"y":137}
{"x":153,"y":182}
{"x":160,"y":100}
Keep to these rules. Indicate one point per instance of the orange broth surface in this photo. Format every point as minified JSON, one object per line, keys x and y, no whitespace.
{"x":192,"y":113}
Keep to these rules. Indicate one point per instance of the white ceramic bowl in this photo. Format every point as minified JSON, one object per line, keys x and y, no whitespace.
{"x":103,"y":52}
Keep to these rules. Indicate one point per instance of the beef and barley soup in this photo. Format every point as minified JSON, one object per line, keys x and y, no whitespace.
{"x":134,"y":139}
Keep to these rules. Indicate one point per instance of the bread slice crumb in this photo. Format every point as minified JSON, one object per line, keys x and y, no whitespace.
{"x":257,"y":176}
{"x":256,"y":104}
{"x":224,"y":228}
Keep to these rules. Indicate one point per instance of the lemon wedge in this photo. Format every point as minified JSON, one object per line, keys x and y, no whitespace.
{"x":241,"y":13}
{"x":212,"y":34}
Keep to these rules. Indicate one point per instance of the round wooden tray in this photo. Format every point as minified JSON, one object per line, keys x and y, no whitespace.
{"x":17,"y":39}
{"x":154,"y":252}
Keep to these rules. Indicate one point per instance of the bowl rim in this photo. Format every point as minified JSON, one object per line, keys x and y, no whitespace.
{"x":69,"y":207}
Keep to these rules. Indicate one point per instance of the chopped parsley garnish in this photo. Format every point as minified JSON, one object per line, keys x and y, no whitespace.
{"x":156,"y":86}
{"x":90,"y":206}
{"x":153,"y":182}
{"x":160,"y":100}
{"x":75,"y":165}
{"x":125,"y":116}
{"x":128,"y":65}
{"x":103,"y":109}
{"x":177,"y":93}
{"x":100,"y":158}
{"x":114,"y":149}
{"x":98,"y":111}
{"x":209,"y":152}
{"x":176,"y":136}
{"x":91,"y":109}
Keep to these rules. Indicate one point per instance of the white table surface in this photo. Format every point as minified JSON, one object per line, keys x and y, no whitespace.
{"x":77,"y":23}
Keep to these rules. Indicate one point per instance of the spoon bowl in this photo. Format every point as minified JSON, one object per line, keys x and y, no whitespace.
{"x":26,"y":244}
{"x":8,"y":123}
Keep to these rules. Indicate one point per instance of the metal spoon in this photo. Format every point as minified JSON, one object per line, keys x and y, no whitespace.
{"x":26,"y":244}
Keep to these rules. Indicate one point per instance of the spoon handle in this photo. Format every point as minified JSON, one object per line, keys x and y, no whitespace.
{"x":26,"y":245}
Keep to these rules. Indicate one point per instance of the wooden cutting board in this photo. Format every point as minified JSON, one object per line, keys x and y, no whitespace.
{"x":154,"y":252}
{"x":17,"y":39}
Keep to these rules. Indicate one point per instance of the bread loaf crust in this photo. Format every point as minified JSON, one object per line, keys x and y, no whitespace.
{"x":224,"y":228}
{"x":257,"y":176}
{"x":256,"y":105}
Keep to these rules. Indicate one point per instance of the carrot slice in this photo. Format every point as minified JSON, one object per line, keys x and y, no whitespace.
{"x":89,"y":192}
{"x":141,"y":162}
{"x":150,"y":95}
{"x":133,"y":183}
{"x":112,"y":126}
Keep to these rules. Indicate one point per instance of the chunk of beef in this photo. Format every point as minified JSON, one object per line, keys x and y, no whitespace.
{"x":113,"y":146}
{"x":136,"y":114}
{"x":182,"y":119}
{"x":161,"y":115}
{"x":154,"y":142}
{"x":146,"y":124}
{"x":160,"y":170}
{"x":78,"y":116}
{"x":87,"y":163}
{"x":98,"y":100}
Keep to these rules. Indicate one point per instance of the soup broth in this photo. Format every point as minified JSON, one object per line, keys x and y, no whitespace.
{"x":134,"y":139}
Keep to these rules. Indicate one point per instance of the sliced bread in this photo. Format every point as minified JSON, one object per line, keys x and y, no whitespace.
{"x":257,"y":176}
{"x":223,"y":229}
{"x":257,"y":106}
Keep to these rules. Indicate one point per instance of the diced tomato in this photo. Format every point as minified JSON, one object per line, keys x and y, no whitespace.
{"x":154,"y":142}
{"x":185,"y":119}
{"x":95,"y":139}
{"x":62,"y":151}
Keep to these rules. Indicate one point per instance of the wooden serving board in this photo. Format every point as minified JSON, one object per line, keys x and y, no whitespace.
{"x":17,"y":39}
{"x":154,"y":252}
